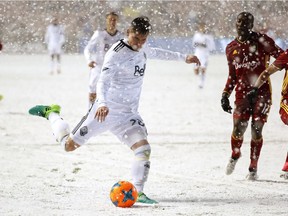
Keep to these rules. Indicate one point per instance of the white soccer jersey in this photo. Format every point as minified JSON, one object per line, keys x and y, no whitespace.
{"x":54,"y":37}
{"x":203,"y":44}
{"x":99,"y":44}
{"x":120,"y":83}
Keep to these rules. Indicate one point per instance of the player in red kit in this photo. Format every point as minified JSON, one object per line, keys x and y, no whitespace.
{"x":247,"y":56}
{"x":280,"y":63}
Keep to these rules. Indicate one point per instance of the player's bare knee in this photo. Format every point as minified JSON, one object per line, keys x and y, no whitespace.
{"x":142,"y":150}
{"x":138,"y":144}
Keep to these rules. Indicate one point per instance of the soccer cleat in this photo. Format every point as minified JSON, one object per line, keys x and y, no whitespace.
{"x":252,"y":175}
{"x":44,"y":111}
{"x":284,"y":175}
{"x":285,"y":167}
{"x":231,"y":166}
{"x":142,"y":198}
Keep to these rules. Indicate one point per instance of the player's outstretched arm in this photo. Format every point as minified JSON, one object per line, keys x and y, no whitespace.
{"x":252,"y":95}
{"x":192,"y":59}
{"x":265,"y":75}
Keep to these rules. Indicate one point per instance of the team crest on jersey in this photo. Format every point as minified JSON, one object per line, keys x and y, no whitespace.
{"x":83,"y":131}
{"x":139,"y":71}
{"x":106,"y":47}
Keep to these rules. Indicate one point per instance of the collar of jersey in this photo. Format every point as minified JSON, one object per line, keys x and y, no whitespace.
{"x":125,"y":42}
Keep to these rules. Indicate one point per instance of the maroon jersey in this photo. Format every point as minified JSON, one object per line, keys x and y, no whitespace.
{"x":246,"y":61}
{"x":282,"y":63}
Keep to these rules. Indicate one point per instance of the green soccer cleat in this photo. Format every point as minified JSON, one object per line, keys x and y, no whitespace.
{"x":142,"y":198}
{"x":44,"y":111}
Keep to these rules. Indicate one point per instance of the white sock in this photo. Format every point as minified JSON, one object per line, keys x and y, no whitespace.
{"x":141,"y":166}
{"x":60,"y":128}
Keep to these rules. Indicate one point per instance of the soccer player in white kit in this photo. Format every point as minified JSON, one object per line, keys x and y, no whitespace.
{"x":116,"y":107}
{"x":203,"y":44}
{"x":96,"y":49}
{"x":54,"y":38}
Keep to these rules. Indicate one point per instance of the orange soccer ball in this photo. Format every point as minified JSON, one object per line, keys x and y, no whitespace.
{"x":123,"y":194}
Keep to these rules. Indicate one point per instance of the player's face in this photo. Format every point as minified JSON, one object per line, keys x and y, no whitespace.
{"x":135,"y":40}
{"x":111,"y":21}
{"x":244,"y":24}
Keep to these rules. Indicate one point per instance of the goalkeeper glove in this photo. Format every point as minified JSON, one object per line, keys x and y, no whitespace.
{"x":225,"y":103}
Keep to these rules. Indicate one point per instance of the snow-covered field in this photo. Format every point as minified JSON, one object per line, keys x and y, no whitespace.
{"x":188,"y":131}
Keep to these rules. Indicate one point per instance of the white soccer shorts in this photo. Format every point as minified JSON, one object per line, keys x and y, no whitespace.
{"x":129,"y":128}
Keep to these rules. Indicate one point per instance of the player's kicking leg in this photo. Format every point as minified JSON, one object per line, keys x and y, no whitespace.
{"x":135,"y":137}
{"x":59,"y":127}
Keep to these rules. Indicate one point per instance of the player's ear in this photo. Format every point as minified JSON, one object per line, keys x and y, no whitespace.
{"x":127,"y":32}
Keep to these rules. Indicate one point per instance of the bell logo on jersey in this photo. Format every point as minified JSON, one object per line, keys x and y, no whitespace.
{"x":139,"y":71}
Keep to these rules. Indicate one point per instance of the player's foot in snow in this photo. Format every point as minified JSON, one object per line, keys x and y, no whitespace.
{"x":284,"y":175}
{"x":252,"y":175}
{"x":285,"y":167}
{"x":44,"y":111}
{"x":231,"y":166}
{"x":142,"y":198}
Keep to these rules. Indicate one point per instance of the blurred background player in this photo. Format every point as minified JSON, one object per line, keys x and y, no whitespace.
{"x":203,"y":45}
{"x":116,"y":108}
{"x":96,"y":49}
{"x":280,"y":63}
{"x":247,"y":57}
{"x":54,"y":38}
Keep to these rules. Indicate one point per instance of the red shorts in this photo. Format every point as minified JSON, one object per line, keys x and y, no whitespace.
{"x":284,"y":112}
{"x":259,"y":111}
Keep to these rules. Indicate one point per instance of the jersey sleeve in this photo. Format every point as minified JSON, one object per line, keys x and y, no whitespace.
{"x":162,"y":54}
{"x":108,"y":71}
{"x":62,"y":35}
{"x":270,"y":46}
{"x":231,"y":80}
{"x":92,"y":46}
{"x":282,"y":61}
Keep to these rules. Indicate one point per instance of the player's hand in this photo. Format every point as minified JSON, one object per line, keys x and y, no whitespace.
{"x":225,"y":103}
{"x":192,"y":59}
{"x":101,"y":113}
{"x":92,"y":64}
{"x":252,"y":95}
